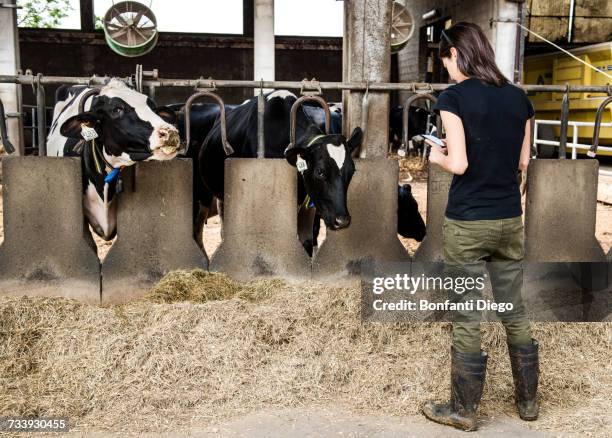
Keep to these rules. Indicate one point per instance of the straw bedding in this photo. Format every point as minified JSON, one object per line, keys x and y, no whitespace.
{"x":201,"y":348}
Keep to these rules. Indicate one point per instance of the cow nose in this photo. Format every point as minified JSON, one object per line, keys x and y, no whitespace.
{"x":342,"y":221}
{"x":163,"y":133}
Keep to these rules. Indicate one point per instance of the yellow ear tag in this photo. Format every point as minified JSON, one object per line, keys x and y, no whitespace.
{"x":301,"y":165}
{"x":88,"y":133}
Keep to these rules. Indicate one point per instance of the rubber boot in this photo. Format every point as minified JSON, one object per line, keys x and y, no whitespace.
{"x":525,"y":371}
{"x":467,"y":382}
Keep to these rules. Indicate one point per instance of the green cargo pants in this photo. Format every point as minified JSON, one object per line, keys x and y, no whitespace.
{"x":467,"y":246}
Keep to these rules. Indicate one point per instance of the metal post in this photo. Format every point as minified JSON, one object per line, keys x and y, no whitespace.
{"x":564,"y":123}
{"x":33,"y":128}
{"x":574,"y":141}
{"x":534,"y":130}
{"x":41,"y":118}
{"x":9,"y":64}
{"x":261,"y":139}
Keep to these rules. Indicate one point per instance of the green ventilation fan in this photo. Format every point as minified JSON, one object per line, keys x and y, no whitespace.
{"x":402,"y":27}
{"x":130,"y":28}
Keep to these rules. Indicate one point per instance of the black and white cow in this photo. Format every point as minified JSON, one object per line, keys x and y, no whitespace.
{"x":203,"y":117}
{"x":410,"y":223}
{"x":122,"y":126}
{"x":328,"y":160}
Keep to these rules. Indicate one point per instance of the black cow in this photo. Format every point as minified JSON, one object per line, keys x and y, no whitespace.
{"x":119,"y":127}
{"x":410,"y":224}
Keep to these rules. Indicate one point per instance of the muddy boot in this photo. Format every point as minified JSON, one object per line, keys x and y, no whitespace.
{"x":525,"y":370}
{"x":467,"y":382}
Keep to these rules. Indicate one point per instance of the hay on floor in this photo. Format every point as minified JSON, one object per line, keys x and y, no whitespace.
{"x":202,"y":347}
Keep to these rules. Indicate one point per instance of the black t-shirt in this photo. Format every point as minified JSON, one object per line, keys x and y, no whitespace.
{"x":494,"y":123}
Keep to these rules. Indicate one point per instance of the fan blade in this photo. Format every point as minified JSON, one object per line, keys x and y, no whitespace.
{"x":138,"y":18}
{"x":130,"y":38}
{"x":144,"y":38}
{"x":110,"y":24}
{"x":120,"y":32}
{"x":119,"y":17}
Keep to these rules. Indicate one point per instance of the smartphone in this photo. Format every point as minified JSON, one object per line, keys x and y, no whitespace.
{"x":434,"y":139}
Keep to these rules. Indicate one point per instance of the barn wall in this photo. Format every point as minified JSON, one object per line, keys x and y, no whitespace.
{"x":550,"y":19}
{"x":412,"y":64}
{"x":74,"y":53}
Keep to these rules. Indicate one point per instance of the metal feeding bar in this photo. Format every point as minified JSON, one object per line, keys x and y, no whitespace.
{"x":227,"y":147}
{"x":296,"y":85}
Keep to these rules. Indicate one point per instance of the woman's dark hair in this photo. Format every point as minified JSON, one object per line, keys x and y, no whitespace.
{"x":475,"y":56}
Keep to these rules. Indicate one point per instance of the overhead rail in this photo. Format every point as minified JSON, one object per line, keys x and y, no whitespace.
{"x":301,"y":85}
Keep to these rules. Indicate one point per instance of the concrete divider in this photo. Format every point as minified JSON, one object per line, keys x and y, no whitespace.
{"x":438,"y":184}
{"x":260,"y":221}
{"x":560,"y":216}
{"x":560,"y":212}
{"x":154,"y":230}
{"x":372,"y":235}
{"x":47,"y":248}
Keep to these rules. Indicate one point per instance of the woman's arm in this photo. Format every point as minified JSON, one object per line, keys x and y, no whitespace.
{"x":455,"y":160}
{"x":526,"y":148}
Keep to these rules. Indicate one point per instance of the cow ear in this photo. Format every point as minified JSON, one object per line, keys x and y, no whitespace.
{"x":166,"y":114}
{"x":72,"y":128}
{"x":355,"y":139}
{"x":292,"y":152}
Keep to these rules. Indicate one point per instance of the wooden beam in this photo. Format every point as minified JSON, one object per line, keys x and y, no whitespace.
{"x":248,"y":18}
{"x":87,"y":16}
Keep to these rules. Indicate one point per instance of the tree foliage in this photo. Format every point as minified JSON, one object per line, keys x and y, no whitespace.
{"x":42,"y":13}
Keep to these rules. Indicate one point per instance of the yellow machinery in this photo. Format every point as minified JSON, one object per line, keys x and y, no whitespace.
{"x":560,"y":69}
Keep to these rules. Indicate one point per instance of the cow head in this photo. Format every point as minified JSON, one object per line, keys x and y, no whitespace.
{"x":129,"y":129}
{"x":128,"y":126}
{"x":327,"y":166}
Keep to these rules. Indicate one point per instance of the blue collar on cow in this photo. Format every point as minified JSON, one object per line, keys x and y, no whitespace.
{"x":113,"y":174}
{"x":99,"y":155}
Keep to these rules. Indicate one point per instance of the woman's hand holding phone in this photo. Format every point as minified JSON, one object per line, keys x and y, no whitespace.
{"x":437,"y":152}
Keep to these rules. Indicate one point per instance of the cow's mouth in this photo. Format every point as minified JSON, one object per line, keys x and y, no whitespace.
{"x":164,"y":153}
{"x":338,"y":223}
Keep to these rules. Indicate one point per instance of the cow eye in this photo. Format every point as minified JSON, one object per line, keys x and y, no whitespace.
{"x":117,"y":111}
{"x":320,"y":173}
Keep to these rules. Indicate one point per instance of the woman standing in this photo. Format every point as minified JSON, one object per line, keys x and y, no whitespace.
{"x":488,"y":133}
